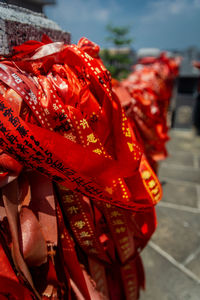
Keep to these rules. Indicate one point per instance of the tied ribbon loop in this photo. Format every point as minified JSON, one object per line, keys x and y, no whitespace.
{"x":38,"y":153}
{"x":106,"y":161}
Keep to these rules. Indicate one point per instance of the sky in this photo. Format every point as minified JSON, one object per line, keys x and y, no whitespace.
{"x":163,"y":24}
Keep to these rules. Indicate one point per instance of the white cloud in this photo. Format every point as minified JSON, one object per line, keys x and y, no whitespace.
{"x":82,"y":11}
{"x":84,"y":17}
{"x":160,"y":10}
{"x":158,"y":23}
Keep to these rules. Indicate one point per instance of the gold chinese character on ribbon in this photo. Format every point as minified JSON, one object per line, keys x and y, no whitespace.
{"x":72,"y":210}
{"x":79,"y":224}
{"x":98,"y":151}
{"x":155,"y":191}
{"x":125,"y":246}
{"x":123,"y":240}
{"x":115,"y":213}
{"x":84,"y":123}
{"x":120,"y":229}
{"x":152,"y":183}
{"x":84,"y":234}
{"x":146,"y":175}
{"x":91,"y":138}
{"x":131,"y":146}
{"x":128,"y":132}
{"x":118,"y":222}
{"x":68,"y":198}
{"x":87,"y":243}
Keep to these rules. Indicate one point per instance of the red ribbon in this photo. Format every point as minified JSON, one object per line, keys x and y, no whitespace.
{"x":56,"y":116}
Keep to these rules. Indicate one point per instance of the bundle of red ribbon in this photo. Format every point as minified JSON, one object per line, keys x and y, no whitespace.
{"x":78,"y":193}
{"x":145,"y":96}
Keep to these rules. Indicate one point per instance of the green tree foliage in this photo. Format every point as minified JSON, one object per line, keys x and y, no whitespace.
{"x":117,"y":59}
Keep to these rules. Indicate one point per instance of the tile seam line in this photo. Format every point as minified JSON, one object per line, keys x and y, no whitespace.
{"x":173,"y":180}
{"x":174,"y":262}
{"x":192,"y":151}
{"x":177,"y":166}
{"x":198,"y":196}
{"x":191,"y":257}
{"x":179,"y":207}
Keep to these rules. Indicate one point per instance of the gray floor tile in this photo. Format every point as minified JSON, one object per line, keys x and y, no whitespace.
{"x":178,"y":232}
{"x":184,"y":174}
{"x":164,"y":281}
{"x":179,"y":194}
{"x":180,"y":158}
{"x":194,"y":265}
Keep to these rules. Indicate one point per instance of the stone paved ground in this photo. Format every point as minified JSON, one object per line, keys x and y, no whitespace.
{"x":172,"y":258}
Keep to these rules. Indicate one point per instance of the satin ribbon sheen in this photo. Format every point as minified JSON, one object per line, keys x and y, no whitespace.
{"x":41,"y":154}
